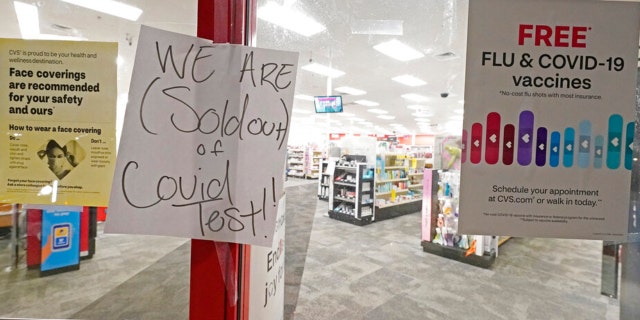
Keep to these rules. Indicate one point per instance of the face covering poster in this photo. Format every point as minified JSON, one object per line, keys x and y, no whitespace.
{"x":58,"y":117}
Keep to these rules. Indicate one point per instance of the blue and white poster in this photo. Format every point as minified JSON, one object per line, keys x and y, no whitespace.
{"x":60,"y":239}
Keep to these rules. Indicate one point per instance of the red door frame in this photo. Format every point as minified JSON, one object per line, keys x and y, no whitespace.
{"x":223,"y":21}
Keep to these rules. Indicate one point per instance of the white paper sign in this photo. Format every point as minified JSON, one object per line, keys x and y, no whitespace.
{"x":549,"y":118}
{"x":204,"y":140}
{"x":266,"y":292}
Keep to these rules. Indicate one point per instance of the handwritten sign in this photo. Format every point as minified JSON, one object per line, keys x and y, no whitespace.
{"x":204,"y":140}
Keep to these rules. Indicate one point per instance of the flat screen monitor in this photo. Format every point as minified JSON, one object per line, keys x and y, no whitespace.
{"x":328,"y":104}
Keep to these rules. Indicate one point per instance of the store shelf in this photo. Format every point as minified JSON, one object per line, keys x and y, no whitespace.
{"x":394,"y":210}
{"x":392,"y":180}
{"x":484,"y":261}
{"x":351,"y":201}
{"x":389,"y":193}
{"x":398,"y":203}
{"x":394,"y":168}
{"x":350,"y":219}
{"x":349,"y":184}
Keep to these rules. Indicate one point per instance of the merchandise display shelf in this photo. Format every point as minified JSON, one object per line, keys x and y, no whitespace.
{"x":458,"y":254}
{"x":349,"y":218}
{"x":388,"y":193}
{"x":390,"y":211}
{"x":391,"y":180}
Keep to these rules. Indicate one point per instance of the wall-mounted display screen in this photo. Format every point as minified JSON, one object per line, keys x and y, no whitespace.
{"x":328,"y":104}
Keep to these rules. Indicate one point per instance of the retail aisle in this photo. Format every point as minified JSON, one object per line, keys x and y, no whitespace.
{"x":334,"y":271}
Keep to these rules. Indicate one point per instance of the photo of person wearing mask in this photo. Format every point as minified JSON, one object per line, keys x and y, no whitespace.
{"x":61,"y":160}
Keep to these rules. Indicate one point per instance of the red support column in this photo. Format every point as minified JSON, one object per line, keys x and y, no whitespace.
{"x":215,"y":280}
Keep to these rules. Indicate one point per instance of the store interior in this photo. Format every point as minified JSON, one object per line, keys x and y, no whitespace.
{"x":372,"y":191}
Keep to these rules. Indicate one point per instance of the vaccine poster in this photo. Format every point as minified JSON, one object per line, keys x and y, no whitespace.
{"x":549,"y":118}
{"x":58,"y":121}
{"x":204,"y":140}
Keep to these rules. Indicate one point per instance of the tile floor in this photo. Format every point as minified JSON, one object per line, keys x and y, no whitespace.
{"x":334,"y":271}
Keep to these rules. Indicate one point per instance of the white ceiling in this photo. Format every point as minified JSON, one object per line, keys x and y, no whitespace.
{"x":437,"y":28}
{"x":433,"y":27}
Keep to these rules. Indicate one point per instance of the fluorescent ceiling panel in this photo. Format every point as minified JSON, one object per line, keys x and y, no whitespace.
{"x":415,"y":97}
{"x":367,"y":103}
{"x":289,"y":19}
{"x":378,"y":111}
{"x":351,"y":91}
{"x":28,"y":19}
{"x":323,"y":70}
{"x":110,"y":7}
{"x":398,"y":50}
{"x":386,"y":117}
{"x":29,"y":23}
{"x":409,"y":80}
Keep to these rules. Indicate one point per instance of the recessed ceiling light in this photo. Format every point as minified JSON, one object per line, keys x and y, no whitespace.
{"x":303,"y":111}
{"x":289,"y":19}
{"x":111,"y":7}
{"x":28,"y":19}
{"x":459,"y":111}
{"x":415,"y":97}
{"x":323,"y":70}
{"x":398,"y":50}
{"x":409,"y":80}
{"x":378,"y":111}
{"x":396,"y":125}
{"x":29,"y":24}
{"x":367,"y":103}
{"x":345,"y":114}
{"x":303,"y":97}
{"x":386,"y":117}
{"x":351,"y":91}
{"x":456,"y":118}
{"x":422,"y":120}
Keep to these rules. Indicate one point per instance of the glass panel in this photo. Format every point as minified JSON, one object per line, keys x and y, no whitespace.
{"x":380,"y":270}
{"x":99,"y":290}
{"x":430,"y":102}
